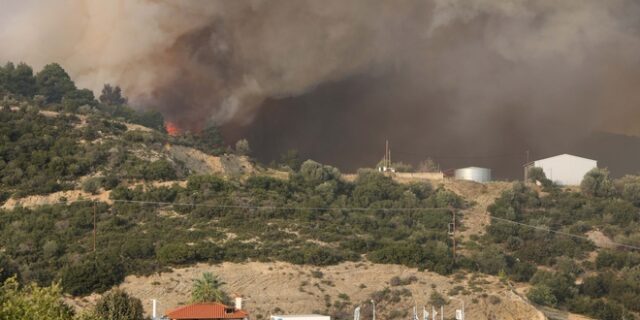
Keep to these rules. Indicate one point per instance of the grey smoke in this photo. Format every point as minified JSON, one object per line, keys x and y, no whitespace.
{"x":568,"y":66}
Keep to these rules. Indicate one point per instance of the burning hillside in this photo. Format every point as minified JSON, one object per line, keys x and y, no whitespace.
{"x":172,"y":128}
{"x":458,"y":80}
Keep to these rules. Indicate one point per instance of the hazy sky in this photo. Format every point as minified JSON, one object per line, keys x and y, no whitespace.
{"x":473,"y":81}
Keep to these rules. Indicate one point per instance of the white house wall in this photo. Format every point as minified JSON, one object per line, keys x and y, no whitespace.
{"x":566,"y":169}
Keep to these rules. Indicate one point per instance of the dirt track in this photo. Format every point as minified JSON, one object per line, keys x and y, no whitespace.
{"x":476,"y":218}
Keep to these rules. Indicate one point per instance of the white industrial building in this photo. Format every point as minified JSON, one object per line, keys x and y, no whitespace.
{"x":300,"y":317}
{"x":564,"y":169}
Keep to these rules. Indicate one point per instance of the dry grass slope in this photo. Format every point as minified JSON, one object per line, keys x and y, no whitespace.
{"x":294,"y":289}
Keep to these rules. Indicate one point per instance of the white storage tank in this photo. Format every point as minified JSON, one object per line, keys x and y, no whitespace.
{"x":476,"y":174}
{"x":300,"y":317}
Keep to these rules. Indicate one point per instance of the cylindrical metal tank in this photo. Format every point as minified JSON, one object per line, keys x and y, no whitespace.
{"x":473,"y":174}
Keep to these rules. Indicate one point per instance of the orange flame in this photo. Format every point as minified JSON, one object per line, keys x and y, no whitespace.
{"x":172,"y":128}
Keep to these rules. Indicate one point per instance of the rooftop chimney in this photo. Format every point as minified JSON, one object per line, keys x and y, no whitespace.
{"x":238,"y":302}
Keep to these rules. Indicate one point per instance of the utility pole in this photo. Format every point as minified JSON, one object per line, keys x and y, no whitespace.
{"x":453,"y":212}
{"x":387,"y":161}
{"x":452,"y":232}
{"x":94,"y":227}
{"x":390,"y":165}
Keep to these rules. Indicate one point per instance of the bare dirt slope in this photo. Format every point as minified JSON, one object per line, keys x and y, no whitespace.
{"x":53,"y":198}
{"x":554,"y":314}
{"x":202,"y":163}
{"x":476,"y":217}
{"x":286,"y":288}
{"x":600,"y":239}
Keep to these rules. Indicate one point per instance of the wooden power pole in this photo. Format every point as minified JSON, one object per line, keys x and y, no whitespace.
{"x":94,"y":227}
{"x":452,"y":232}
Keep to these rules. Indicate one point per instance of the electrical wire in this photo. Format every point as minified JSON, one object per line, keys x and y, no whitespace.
{"x":561,"y":232}
{"x":255,"y":207}
{"x":435,"y":156}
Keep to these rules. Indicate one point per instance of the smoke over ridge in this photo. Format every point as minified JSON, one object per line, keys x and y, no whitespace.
{"x":543,"y":69}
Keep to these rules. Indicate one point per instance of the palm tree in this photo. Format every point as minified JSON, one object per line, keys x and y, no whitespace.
{"x":207,"y":289}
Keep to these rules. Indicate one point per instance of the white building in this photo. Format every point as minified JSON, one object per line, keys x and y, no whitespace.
{"x":564,"y":169}
{"x":300,"y":317}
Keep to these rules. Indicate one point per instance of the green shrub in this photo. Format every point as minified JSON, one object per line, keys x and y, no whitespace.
{"x":160,"y":170}
{"x":32,"y":302}
{"x":596,"y":183}
{"x":206,"y":183}
{"x":176,"y":253}
{"x":53,"y":83}
{"x":321,"y":256}
{"x":92,"y":275}
{"x":118,"y":305}
{"x":541,"y":294}
{"x":92,"y":185}
{"x":536,"y":174}
{"x":436,"y":299}
{"x":210,"y":252}
{"x":8,"y":268}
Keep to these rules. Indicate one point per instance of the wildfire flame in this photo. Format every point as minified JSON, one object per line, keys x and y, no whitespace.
{"x":172,"y":128}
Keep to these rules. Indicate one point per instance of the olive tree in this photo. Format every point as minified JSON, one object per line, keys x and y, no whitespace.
{"x":118,"y":305}
{"x":53,"y":83}
{"x":32,"y":302}
{"x":596,"y":183}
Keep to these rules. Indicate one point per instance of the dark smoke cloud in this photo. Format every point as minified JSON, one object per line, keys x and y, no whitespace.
{"x":453,"y":78}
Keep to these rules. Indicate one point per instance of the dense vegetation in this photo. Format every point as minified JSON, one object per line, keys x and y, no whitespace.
{"x":56,"y":137}
{"x":53,"y":88}
{"x":45,"y":303}
{"x":305,"y":220}
{"x":41,"y":154}
{"x":607,"y":288}
{"x":52,"y":135}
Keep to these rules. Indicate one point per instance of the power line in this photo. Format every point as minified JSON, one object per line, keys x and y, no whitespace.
{"x":495,"y":156}
{"x":561,"y":232}
{"x":366,"y":209}
{"x":223,"y":206}
{"x":299,"y":208}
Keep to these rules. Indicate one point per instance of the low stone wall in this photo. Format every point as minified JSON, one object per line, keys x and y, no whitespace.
{"x":404,"y":177}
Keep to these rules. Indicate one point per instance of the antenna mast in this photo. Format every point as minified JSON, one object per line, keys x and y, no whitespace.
{"x":389,"y":158}
{"x":386,"y":155}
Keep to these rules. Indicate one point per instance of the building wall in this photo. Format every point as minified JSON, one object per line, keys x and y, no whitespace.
{"x":566,"y":169}
{"x":403,"y":177}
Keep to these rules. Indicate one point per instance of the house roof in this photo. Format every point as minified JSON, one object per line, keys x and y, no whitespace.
{"x":206,"y":311}
{"x":565,"y":155}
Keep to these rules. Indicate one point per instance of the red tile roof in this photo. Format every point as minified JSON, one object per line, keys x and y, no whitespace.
{"x":206,"y":311}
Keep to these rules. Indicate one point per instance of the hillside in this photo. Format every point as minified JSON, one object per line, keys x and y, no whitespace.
{"x":168,"y":207}
{"x":269,"y":287}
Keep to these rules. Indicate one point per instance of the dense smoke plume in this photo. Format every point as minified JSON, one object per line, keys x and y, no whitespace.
{"x":481,"y":78}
